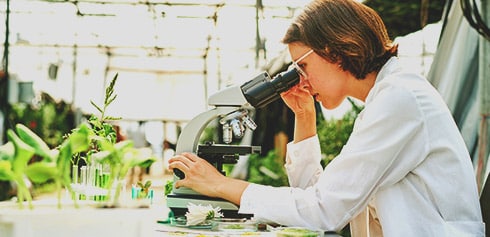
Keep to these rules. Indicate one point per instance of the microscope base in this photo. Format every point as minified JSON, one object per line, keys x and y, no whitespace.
{"x":178,"y":205}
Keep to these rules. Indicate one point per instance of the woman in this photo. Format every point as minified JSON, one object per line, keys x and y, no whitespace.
{"x":405,"y":170}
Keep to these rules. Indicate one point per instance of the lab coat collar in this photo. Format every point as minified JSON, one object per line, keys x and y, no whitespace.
{"x":391,"y":66}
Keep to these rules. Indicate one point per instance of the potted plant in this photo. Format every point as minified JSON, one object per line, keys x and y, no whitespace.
{"x":23,"y":145}
{"x":142,"y":194}
{"x":95,"y":140}
{"x":143,"y":190}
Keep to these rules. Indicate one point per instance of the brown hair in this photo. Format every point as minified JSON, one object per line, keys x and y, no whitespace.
{"x":346,"y":31}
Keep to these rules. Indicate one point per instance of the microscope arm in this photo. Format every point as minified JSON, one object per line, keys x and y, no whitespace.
{"x":189,"y":137}
{"x":225,"y":102}
{"x":255,"y":93}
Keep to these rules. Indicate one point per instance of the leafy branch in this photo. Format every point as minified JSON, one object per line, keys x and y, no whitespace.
{"x":121,"y":156}
{"x":110,"y":96}
{"x":97,"y":139}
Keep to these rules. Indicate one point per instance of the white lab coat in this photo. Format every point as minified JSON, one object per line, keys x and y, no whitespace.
{"x":405,"y":171}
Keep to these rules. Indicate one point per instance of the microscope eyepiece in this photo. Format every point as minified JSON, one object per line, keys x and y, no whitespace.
{"x":285,"y":80}
{"x":261,"y":90}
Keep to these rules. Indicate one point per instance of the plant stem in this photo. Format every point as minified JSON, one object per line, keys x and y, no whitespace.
{"x":20,"y":195}
{"x":118,"y":192}
{"x":58,"y":188}
{"x":67,"y":184}
{"x":23,"y":193}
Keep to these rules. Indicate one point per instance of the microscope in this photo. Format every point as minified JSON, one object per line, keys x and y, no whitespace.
{"x":231,"y":107}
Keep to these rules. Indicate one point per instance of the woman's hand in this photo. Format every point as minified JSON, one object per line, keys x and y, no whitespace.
{"x":200,"y":175}
{"x":299,"y":100}
{"x":204,"y":178}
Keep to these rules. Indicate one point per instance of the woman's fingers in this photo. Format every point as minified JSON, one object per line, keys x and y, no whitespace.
{"x":185,"y":158}
{"x":183,"y":162}
{"x":190,"y":156}
{"x":199,"y":174}
{"x":179,"y":165}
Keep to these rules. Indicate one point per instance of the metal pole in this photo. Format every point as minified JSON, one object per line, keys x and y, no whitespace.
{"x":4,"y":79}
{"x":259,"y":45}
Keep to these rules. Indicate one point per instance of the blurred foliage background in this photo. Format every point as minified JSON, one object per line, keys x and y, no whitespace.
{"x":402,"y":17}
{"x":48,"y":118}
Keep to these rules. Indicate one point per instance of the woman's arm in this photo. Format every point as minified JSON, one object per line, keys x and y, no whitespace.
{"x":205,"y":179}
{"x":299,"y":100}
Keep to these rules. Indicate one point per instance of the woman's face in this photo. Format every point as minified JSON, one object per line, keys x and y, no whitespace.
{"x":325,"y":81}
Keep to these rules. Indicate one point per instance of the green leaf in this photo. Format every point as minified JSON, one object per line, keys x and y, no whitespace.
{"x":6,"y":170}
{"x":105,"y":144}
{"x":123,"y":145}
{"x":147,"y":184}
{"x":80,"y":139}
{"x":210,"y":215}
{"x":135,"y":157}
{"x":96,"y":106}
{"x":101,"y":156}
{"x":145,"y":162}
{"x":7,"y":151}
{"x":23,"y":152}
{"x":65,"y":152}
{"x":41,"y":172}
{"x":112,"y":118}
{"x":168,"y":187}
{"x":110,"y":90}
{"x":111,"y":99}
{"x":33,"y":140}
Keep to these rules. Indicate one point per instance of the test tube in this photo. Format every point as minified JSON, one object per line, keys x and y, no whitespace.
{"x":97,"y":180}
{"x":83,"y":180}
{"x":83,"y":175}
{"x":150,"y":195}
{"x":91,"y":175}
{"x":74,"y":174}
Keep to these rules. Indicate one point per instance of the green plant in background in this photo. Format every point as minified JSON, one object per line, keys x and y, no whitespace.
{"x":96,"y":139}
{"x":334,"y":133}
{"x":50,"y":119}
{"x":120,"y":156}
{"x":15,"y":157}
{"x":402,"y":17}
{"x":101,"y":126}
{"x":59,"y":168}
{"x":144,"y":189}
{"x":168,"y":188}
{"x":267,"y":170}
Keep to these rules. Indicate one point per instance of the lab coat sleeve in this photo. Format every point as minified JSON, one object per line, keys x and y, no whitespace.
{"x":303,"y":162}
{"x":369,"y":161}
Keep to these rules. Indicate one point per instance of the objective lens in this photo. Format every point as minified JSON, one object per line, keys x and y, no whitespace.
{"x":249,"y":122}
{"x":237,"y":127}
{"x":227,"y":133}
